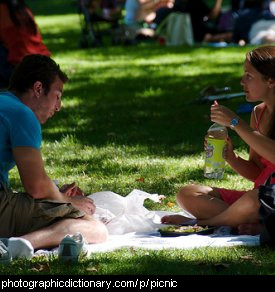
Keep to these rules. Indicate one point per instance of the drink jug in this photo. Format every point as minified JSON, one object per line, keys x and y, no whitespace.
{"x":214,"y":152}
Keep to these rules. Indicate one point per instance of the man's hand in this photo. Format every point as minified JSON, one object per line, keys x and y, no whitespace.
{"x":84,"y":204}
{"x":71,"y":190}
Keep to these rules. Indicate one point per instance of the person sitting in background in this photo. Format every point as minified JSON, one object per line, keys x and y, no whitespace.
{"x":272,"y":7}
{"x":262,"y":32}
{"x":201,"y":14}
{"x":104,"y":10}
{"x":253,"y":11}
{"x":143,"y":11}
{"x":244,"y":14}
{"x":19,"y":36}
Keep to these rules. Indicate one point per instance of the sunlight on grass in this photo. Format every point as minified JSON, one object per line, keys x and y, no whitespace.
{"x":131,"y":120}
{"x":65,"y":23}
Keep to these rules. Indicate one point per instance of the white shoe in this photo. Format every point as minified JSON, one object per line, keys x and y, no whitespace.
{"x":5,"y":255}
{"x":18,"y":247}
{"x":70,"y":248}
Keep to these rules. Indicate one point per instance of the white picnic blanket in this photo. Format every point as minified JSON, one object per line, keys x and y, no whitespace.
{"x":154,"y":241}
{"x":130,"y":224}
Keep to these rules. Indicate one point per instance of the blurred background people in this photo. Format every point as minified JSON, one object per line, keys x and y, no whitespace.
{"x":251,"y":12}
{"x":200,"y":12}
{"x":140,"y":12}
{"x":242,"y":15}
{"x":104,"y":10}
{"x":19,"y":36}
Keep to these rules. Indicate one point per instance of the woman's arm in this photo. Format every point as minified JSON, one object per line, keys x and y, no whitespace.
{"x":260,"y":145}
{"x":246,"y":168}
{"x":264,"y":146}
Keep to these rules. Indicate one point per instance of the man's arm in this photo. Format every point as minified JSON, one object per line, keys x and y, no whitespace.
{"x":37,"y":183}
{"x":33,"y":175}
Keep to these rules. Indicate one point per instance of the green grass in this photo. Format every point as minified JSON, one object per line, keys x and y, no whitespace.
{"x":128,"y":114}
{"x":203,"y":261}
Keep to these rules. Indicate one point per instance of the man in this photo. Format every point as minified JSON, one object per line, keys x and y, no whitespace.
{"x":44,"y":214}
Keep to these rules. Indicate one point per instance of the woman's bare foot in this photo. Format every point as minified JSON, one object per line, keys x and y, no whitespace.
{"x":250,"y":229}
{"x":175,"y":219}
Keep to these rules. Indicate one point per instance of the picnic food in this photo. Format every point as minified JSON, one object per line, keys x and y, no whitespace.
{"x":184,"y":229}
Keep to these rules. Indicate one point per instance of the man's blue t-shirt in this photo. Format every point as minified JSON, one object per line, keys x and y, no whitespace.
{"x":18,"y":127}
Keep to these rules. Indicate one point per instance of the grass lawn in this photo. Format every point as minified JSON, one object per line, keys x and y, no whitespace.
{"x":128,"y":114}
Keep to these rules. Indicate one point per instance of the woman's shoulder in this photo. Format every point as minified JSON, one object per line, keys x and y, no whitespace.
{"x":259,"y":108}
{"x":255,"y":114}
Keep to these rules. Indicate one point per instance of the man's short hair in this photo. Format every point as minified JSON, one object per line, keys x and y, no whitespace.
{"x":34,"y":68}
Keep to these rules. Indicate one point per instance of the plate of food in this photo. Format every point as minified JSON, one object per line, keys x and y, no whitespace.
{"x":179,"y":230}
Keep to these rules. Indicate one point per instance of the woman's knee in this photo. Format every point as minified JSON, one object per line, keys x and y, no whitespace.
{"x":186,"y":193}
{"x":190,"y":192}
{"x":251,"y":201}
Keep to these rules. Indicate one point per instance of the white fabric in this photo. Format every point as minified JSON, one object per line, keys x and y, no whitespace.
{"x":177,"y":29}
{"x":154,"y":241}
{"x":127,"y":214}
{"x":272,"y":7}
{"x":20,"y":248}
{"x":261,"y":32}
{"x":132,"y":225}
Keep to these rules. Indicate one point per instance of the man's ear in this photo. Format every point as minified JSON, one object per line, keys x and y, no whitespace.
{"x":37,"y":89}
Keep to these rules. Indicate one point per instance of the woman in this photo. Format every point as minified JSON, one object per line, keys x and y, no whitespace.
{"x":19,"y":36}
{"x":215,"y":206}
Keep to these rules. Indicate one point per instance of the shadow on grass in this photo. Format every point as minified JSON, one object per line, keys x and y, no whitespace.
{"x":165,"y":121}
{"x":68,"y":41}
{"x":166,"y":263}
{"x":241,"y":260}
{"x":52,"y":7}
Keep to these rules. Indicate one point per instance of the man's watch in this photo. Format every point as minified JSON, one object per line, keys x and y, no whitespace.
{"x":234,"y":122}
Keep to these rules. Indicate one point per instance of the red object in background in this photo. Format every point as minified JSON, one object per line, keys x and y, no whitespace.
{"x":162,"y":41}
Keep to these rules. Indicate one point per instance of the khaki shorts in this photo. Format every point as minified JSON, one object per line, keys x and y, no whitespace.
{"x":21,"y":214}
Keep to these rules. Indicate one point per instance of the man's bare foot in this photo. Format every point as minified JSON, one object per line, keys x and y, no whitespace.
{"x":250,"y":229}
{"x":175,"y":219}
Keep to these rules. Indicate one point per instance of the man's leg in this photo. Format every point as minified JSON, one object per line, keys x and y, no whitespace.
{"x":94,"y":232}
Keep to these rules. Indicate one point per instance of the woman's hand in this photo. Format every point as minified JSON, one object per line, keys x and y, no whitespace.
{"x":71,"y":190}
{"x":229,"y":154}
{"x":221,"y":114}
